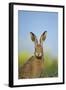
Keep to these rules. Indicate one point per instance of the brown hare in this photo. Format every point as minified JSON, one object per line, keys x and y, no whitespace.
{"x":34,"y":66}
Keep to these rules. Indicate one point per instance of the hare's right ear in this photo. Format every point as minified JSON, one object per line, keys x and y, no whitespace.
{"x":33,"y":38}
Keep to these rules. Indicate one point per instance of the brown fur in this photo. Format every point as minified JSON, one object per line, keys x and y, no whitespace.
{"x":34,"y":66}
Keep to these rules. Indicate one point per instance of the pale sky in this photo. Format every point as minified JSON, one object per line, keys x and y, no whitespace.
{"x":37,"y":22}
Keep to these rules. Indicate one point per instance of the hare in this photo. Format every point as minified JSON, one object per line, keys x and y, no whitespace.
{"x":34,"y":66}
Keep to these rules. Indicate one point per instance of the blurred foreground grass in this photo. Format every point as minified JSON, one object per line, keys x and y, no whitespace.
{"x":50,"y":64}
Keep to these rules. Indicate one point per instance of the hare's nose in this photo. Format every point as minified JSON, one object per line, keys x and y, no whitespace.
{"x":38,"y":54}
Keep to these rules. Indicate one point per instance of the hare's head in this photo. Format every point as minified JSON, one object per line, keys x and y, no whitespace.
{"x":38,"y":46}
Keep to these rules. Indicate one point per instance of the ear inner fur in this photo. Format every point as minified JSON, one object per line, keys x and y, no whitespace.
{"x":43,"y":37}
{"x":34,"y":38}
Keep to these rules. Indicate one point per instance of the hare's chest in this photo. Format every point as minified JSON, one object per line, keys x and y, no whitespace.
{"x":37,"y":66}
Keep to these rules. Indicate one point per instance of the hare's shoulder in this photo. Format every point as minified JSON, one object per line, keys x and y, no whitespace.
{"x":28,"y":62}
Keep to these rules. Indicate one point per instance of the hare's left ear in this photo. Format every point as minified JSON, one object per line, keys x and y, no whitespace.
{"x":43,"y":37}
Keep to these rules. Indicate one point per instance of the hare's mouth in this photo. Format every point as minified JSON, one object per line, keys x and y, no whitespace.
{"x":39,"y":57}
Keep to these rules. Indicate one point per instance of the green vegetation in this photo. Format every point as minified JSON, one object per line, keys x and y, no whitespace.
{"x":50,"y":64}
{"x":22,"y":58}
